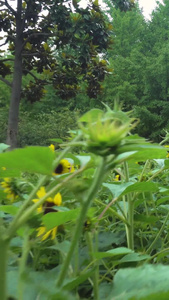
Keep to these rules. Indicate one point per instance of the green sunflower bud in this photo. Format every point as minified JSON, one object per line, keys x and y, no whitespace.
{"x":105,"y":132}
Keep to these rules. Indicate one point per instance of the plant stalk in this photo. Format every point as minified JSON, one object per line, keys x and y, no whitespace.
{"x":100,"y":171}
{"x":4,"y":245}
{"x":130,"y":215}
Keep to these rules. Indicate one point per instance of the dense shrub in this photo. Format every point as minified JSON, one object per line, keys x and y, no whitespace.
{"x":39,"y":128}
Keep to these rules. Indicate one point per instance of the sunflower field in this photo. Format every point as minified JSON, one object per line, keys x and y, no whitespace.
{"x":87,"y":218}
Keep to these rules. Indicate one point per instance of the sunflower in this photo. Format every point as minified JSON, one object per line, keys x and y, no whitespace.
{"x":10,"y":188}
{"x":117,"y":177}
{"x":52,"y":147}
{"x":47,"y":207}
{"x":64,"y":167}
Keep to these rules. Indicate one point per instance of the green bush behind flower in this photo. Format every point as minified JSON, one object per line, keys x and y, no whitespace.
{"x":39,"y":128}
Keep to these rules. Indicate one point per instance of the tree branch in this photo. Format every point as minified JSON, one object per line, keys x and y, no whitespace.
{"x":29,"y":72}
{"x":7,"y":59}
{"x":10,"y":7}
{"x":6,"y":81}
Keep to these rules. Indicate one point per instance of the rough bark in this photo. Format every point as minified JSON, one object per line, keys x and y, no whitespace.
{"x":16,"y":84}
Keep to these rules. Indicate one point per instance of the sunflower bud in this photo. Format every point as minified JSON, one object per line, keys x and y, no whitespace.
{"x":105,"y":132}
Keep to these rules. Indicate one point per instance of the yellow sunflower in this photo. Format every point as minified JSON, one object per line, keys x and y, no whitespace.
{"x":52,"y":147}
{"x":167,"y":146}
{"x":117,"y":177}
{"x":64,"y":167}
{"x":10,"y":189}
{"x":46,"y":208}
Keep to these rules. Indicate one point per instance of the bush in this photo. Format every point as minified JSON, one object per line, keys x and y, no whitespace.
{"x":40,"y":128}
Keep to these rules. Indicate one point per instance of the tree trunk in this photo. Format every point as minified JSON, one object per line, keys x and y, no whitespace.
{"x":16,"y":84}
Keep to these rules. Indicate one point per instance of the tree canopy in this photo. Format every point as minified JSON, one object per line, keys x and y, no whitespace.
{"x":55,"y":42}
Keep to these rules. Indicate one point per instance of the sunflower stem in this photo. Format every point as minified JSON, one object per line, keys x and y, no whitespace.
{"x":92,"y":249}
{"x":98,"y":178}
{"x":130,"y":215}
{"x":4,"y":245}
{"x":23,"y":261}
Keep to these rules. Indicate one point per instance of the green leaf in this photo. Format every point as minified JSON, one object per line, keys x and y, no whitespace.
{"x":73,"y":283}
{"x":146,"y":219}
{"x":29,"y":159}
{"x":111,"y":253}
{"x":51,"y":220}
{"x":123,"y":156}
{"x":147,"y":282}
{"x":91,"y":115}
{"x":62,"y":247}
{"x":117,"y":189}
{"x":124,"y":188}
{"x":9,"y":209}
{"x":134,"y":257}
{"x":9,"y":173}
{"x":145,"y":152}
{"x":84,"y":159}
{"x":166,"y":163}
{"x":58,"y":141}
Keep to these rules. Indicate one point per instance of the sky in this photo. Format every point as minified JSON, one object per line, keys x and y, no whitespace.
{"x":148,"y":6}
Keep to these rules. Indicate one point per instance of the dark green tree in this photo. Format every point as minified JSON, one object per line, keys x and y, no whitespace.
{"x":127,"y":59}
{"x":54,"y":41}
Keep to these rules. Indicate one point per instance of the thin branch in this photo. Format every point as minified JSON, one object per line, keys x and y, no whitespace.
{"x":31,"y":54}
{"x":10,"y":8}
{"x":3,"y":44}
{"x":6,"y":81}
{"x":7,"y":59}
{"x":29,"y":72}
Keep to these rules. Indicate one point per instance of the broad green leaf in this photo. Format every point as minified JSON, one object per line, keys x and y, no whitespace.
{"x":134,"y":257}
{"x":31,"y":159}
{"x":52,"y":220}
{"x":162,"y":200}
{"x":84,"y":159}
{"x":145,"y":152}
{"x":9,"y":173}
{"x":59,"y":141}
{"x":145,"y":219}
{"x":166,"y":164}
{"x":124,"y":188}
{"x":92,"y":115}
{"x":123,"y":156}
{"x":112,"y":253}
{"x":62,"y":247}
{"x":36,"y":284}
{"x":73,"y":157}
{"x":117,"y":189}
{"x":106,"y":239}
{"x":147,"y":282}
{"x":9,"y":209}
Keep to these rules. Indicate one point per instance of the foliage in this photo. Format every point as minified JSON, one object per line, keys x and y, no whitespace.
{"x":139,"y":62}
{"x":112,"y":231}
{"x":53,"y":42}
{"x":39,"y":128}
